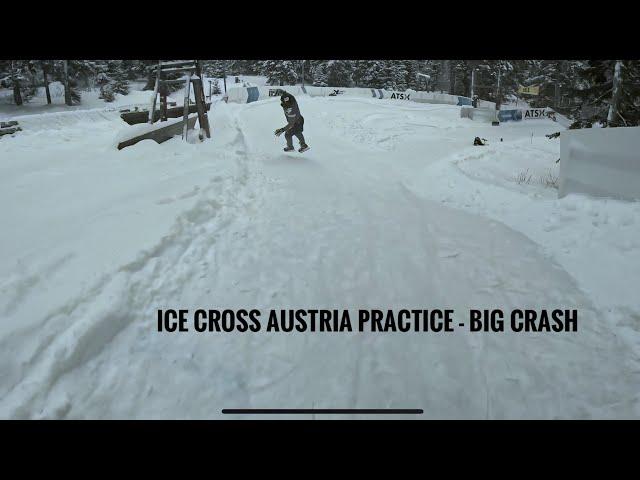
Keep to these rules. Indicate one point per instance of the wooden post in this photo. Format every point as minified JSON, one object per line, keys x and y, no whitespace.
{"x":198,"y":91}
{"x":473,"y":76}
{"x":163,"y":103}
{"x":152,"y":110}
{"x":187,"y":90}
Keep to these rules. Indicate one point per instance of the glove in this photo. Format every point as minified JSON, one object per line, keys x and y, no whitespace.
{"x":279,"y":132}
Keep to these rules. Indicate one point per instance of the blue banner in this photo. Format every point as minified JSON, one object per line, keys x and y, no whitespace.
{"x":252,"y":94}
{"x":509,"y":115}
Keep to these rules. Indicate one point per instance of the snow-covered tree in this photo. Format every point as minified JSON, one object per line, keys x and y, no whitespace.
{"x":279,"y":72}
{"x":20,"y":76}
{"x":111,"y":77}
{"x":318,"y":71}
{"x":339,"y":73}
{"x":608,"y":92}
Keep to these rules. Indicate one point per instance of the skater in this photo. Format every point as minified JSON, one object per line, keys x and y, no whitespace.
{"x":295,"y":123}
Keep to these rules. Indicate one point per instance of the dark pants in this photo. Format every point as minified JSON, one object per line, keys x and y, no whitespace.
{"x":297,"y":131}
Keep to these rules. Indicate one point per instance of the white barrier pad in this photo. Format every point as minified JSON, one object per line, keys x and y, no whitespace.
{"x":253,"y":94}
{"x":479,"y":114}
{"x":486,"y":104}
{"x":603,"y":162}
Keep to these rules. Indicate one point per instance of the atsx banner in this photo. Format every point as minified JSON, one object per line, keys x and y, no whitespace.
{"x":533,"y":113}
{"x":525,"y":114}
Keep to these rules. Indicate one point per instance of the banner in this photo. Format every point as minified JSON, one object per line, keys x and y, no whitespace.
{"x":536,"y":113}
{"x":531,"y":90}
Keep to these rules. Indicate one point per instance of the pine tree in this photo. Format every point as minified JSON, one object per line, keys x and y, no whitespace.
{"x":339,"y":73}
{"x":104,"y":81}
{"x":117,"y":72}
{"x":370,"y":73}
{"x":279,"y":72}
{"x":412,"y":80}
{"x":362,"y":73}
{"x":67,"y":72}
{"x":318,"y":70}
{"x":20,"y":76}
{"x":461,"y":77}
{"x":497,"y":80}
{"x":134,"y":69}
{"x":397,"y":75}
{"x":111,"y":78}
{"x":216,"y":68}
{"x":597,"y":99}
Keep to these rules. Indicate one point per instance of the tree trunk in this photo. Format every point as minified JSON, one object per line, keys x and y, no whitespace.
{"x":498,"y":92}
{"x":17,"y":94}
{"x":452,"y":79}
{"x":46,"y":83}
{"x":615,"y":97}
{"x":444,"y":80}
{"x":67,"y":91}
{"x":466,"y":83}
{"x":151,"y":80}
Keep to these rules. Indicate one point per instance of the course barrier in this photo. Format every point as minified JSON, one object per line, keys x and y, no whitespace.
{"x":488,"y":115}
{"x":514,"y":115}
{"x":519,"y":114}
{"x":254,"y":94}
{"x":603,"y":162}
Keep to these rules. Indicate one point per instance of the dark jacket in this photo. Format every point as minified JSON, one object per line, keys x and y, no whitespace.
{"x":295,"y":120}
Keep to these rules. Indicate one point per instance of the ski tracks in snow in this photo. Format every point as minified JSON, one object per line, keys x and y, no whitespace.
{"x":342,"y":226}
{"x":35,"y":358}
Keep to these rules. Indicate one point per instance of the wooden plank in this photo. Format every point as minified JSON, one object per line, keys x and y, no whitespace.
{"x":200,"y":104}
{"x":176,"y":80}
{"x":160,"y":135}
{"x":177,"y":62}
{"x":179,"y":69}
{"x":133,"y":118}
{"x":163,"y":105}
{"x":10,"y":130}
{"x":198,"y":90}
{"x":187,"y":91}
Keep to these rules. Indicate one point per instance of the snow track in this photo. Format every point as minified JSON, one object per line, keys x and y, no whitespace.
{"x":356,"y":222}
{"x":62,"y":120}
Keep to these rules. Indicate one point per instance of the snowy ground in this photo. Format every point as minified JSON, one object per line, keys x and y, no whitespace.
{"x":391,"y":208}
